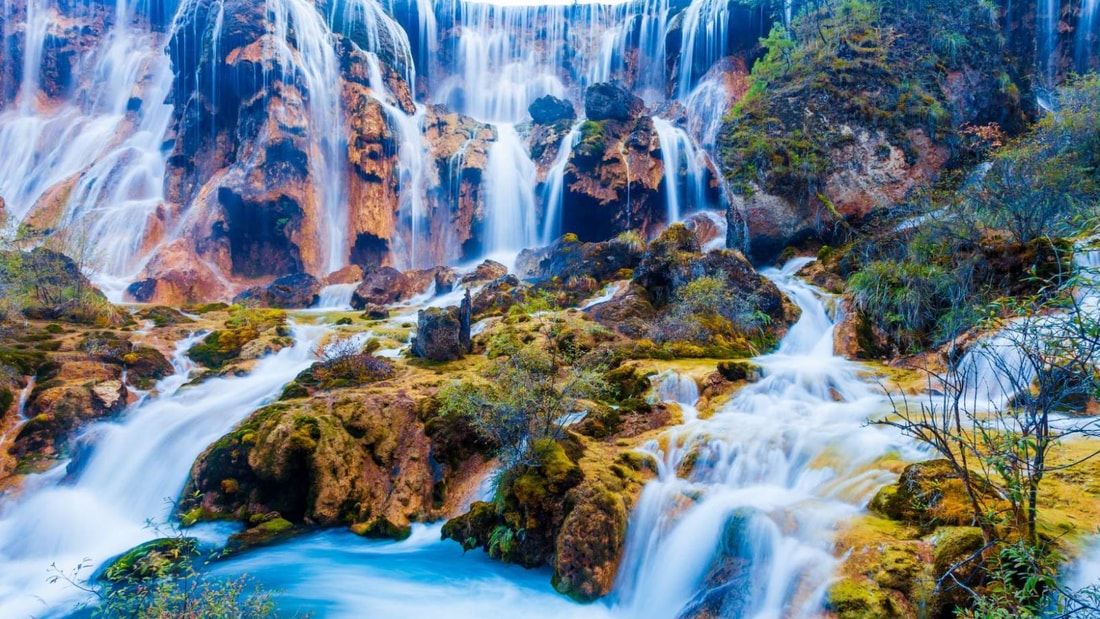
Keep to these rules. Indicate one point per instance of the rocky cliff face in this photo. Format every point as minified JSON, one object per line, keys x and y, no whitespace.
{"x":235,"y":142}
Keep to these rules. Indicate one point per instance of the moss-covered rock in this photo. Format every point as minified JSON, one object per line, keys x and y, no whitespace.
{"x":155,"y":559}
{"x":568,"y":509}
{"x":929,"y":494}
{"x":358,"y":458}
{"x":852,"y":598}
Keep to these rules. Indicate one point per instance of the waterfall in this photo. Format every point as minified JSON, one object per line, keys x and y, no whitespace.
{"x":336,"y":297}
{"x":410,"y":244}
{"x":706,"y":39}
{"x":995,"y":367}
{"x":680,"y":158}
{"x":305,"y":50}
{"x":1086,"y":43}
{"x":94,"y":157}
{"x":1046,"y":22}
{"x":136,"y":463}
{"x":759,"y":486}
{"x":509,"y":195}
{"x":706,"y":106}
{"x":554,"y":187}
{"x":681,"y":389}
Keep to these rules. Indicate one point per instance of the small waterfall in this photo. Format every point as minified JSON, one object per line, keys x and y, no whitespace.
{"x":510,"y":195}
{"x":680,"y":389}
{"x":96,"y":151}
{"x":1086,"y":44}
{"x":1046,"y":22}
{"x":24,"y":395}
{"x":411,"y":249}
{"x":706,"y":106}
{"x":554,"y":188}
{"x":706,"y":39}
{"x":306,"y":51}
{"x":136,"y":463}
{"x":755,"y":492}
{"x":995,"y":367}
{"x":680,"y":159}
{"x":336,"y":297}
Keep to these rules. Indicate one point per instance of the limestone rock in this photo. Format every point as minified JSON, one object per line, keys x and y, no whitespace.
{"x":549,"y":109}
{"x":611,"y":101}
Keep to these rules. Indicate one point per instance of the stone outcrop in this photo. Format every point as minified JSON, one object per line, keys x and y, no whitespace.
{"x":549,"y":109}
{"x":289,"y":292}
{"x":611,"y":101}
{"x":443,"y":333}
{"x":360,"y":458}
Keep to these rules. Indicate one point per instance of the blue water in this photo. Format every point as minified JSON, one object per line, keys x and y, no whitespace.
{"x":339,"y":574}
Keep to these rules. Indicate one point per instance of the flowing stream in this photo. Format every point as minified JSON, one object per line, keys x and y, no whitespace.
{"x":775,"y":470}
{"x":763,"y":483}
{"x":97,"y":506}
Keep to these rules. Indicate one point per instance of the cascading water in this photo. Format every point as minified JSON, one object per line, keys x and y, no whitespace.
{"x":761,"y":484}
{"x":554,"y":187}
{"x":765,"y":481}
{"x":136,"y":463}
{"x":1087,"y":35}
{"x":305,"y":49}
{"x":680,"y":159}
{"x":706,"y":37}
{"x":101,"y":142}
{"x":1046,"y":22}
{"x":510,"y":195}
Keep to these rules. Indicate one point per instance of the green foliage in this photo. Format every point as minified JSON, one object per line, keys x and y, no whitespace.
{"x":907,"y":297}
{"x":1045,"y":182}
{"x":868,"y":64}
{"x":190,"y":597}
{"x":708,"y":313}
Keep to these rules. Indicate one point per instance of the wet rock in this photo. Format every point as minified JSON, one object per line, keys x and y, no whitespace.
{"x":355,"y":458}
{"x":674,"y":260}
{"x":487,"y":271}
{"x":351,"y":274}
{"x":382,"y":286}
{"x":611,"y":101}
{"x":443,"y":333}
{"x":568,"y":257}
{"x":445,"y":280}
{"x":289,"y":292}
{"x":499,"y":296}
{"x":549,"y":109}
{"x":177,"y":276}
{"x":732,"y":585}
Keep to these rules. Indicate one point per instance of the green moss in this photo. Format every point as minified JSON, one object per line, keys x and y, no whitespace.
{"x":152,"y":560}
{"x":953,"y":545}
{"x":859,"y":599}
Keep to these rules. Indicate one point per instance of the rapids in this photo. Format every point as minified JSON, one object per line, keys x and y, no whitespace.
{"x":775,"y":470}
{"x":98,"y":505}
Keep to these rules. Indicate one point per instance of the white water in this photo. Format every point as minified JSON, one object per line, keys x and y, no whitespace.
{"x":510,"y":194}
{"x":994,"y":367}
{"x":93,"y":153}
{"x":685,"y":172}
{"x":21,"y":407}
{"x":554,"y":187}
{"x":706,"y":29}
{"x":786,"y":461}
{"x":336,"y":297}
{"x":136,"y":464}
{"x":1086,"y":44}
{"x":781,"y":465}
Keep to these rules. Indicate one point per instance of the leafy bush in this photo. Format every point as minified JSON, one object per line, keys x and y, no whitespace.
{"x":707,"y":313}
{"x":1044,"y":182}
